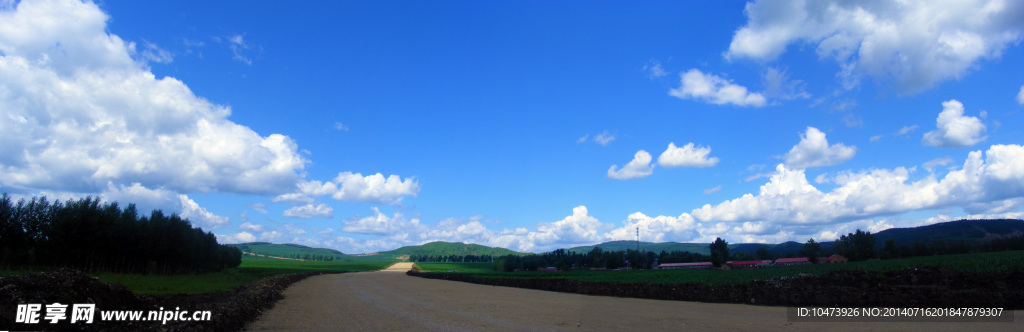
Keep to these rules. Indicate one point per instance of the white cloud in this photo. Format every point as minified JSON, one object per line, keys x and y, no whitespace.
{"x":686,"y":156}
{"x":238,"y":47}
{"x":814,"y":151}
{"x":582,"y":138}
{"x":147,"y":200}
{"x":380,"y":224}
{"x":778,"y":85}
{"x":716,"y":90}
{"x":789,"y":199}
{"x":310,"y":211}
{"x":916,"y":44}
{"x":655,"y":229}
{"x":240,"y":237}
{"x":374,"y":188}
{"x":251,"y":227}
{"x":199,"y":215}
{"x":293,"y":199}
{"x":639,"y":167}
{"x":1020,"y":96}
{"x":259,"y":206}
{"x":902,"y":132}
{"x":89,"y":115}
{"x":931,"y":164}
{"x":604,"y":138}
{"x":153,"y":53}
{"x":654,"y":70}
{"x":340,"y":126}
{"x":354,"y":187}
{"x":954,"y":130}
{"x":713,"y":190}
{"x":577,"y":229}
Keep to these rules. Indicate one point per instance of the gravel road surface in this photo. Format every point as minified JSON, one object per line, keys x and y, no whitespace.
{"x":389,"y":300}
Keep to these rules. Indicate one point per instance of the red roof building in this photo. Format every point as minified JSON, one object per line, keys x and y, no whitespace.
{"x":791,"y":261}
{"x":673,"y":266}
{"x":750,"y":264}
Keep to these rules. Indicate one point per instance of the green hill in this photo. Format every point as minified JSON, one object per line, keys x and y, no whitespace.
{"x":287,"y":250}
{"x":447,"y":249}
{"x":701,"y":248}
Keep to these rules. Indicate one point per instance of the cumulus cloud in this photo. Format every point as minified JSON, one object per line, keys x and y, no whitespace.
{"x":686,"y":156}
{"x":913,"y":44}
{"x":655,"y":229}
{"x":310,"y":211}
{"x":251,"y":227}
{"x":88,"y":115}
{"x":716,"y":90}
{"x":381,"y":224}
{"x":788,"y":198}
{"x":240,"y":237}
{"x":639,"y":167}
{"x":146,"y":200}
{"x":354,"y":187}
{"x":199,"y":215}
{"x":953,"y":129}
{"x":814,"y":151}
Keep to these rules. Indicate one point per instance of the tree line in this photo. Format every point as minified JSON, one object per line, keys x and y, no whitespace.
{"x":94,"y":236}
{"x":452,"y":258}
{"x":856,"y":246}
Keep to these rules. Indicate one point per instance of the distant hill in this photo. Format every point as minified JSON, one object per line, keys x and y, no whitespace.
{"x":960,"y":230}
{"x":285,"y":250}
{"x":446,"y":249}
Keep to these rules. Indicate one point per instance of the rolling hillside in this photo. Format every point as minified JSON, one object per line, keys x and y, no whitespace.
{"x":446,"y":249}
{"x":286,"y":250}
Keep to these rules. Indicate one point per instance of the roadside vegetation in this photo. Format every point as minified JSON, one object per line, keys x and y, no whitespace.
{"x":990,"y":262}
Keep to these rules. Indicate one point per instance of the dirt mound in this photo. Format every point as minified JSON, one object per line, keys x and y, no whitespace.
{"x":919,"y":287}
{"x":230,"y":310}
{"x":64,"y":286}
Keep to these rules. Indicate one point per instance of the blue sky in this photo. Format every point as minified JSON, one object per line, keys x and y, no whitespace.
{"x":527,"y":125}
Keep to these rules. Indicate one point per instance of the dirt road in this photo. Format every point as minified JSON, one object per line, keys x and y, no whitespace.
{"x":389,"y":300}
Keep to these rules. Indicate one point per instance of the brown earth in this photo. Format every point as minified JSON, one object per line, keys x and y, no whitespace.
{"x":392,"y":300}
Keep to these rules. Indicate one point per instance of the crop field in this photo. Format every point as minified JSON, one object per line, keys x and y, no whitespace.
{"x":992,"y":262}
{"x":456,"y":267}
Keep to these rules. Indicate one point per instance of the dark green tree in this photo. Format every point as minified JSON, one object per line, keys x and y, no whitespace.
{"x":719,"y":252}
{"x":811,"y":250}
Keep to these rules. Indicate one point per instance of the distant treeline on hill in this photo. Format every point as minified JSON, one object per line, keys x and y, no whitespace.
{"x":91,"y":236}
{"x":855,"y":246}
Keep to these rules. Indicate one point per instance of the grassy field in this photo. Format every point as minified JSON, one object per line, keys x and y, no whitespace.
{"x":982,"y":262}
{"x":252,"y":268}
{"x":456,"y":267}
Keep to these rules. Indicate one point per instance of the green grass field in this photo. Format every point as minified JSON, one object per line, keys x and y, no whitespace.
{"x":252,"y":268}
{"x":456,"y":267}
{"x":982,"y":262}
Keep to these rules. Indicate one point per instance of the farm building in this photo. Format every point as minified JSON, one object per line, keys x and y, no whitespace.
{"x":791,"y":261}
{"x":673,"y":266}
{"x":749,"y":264}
